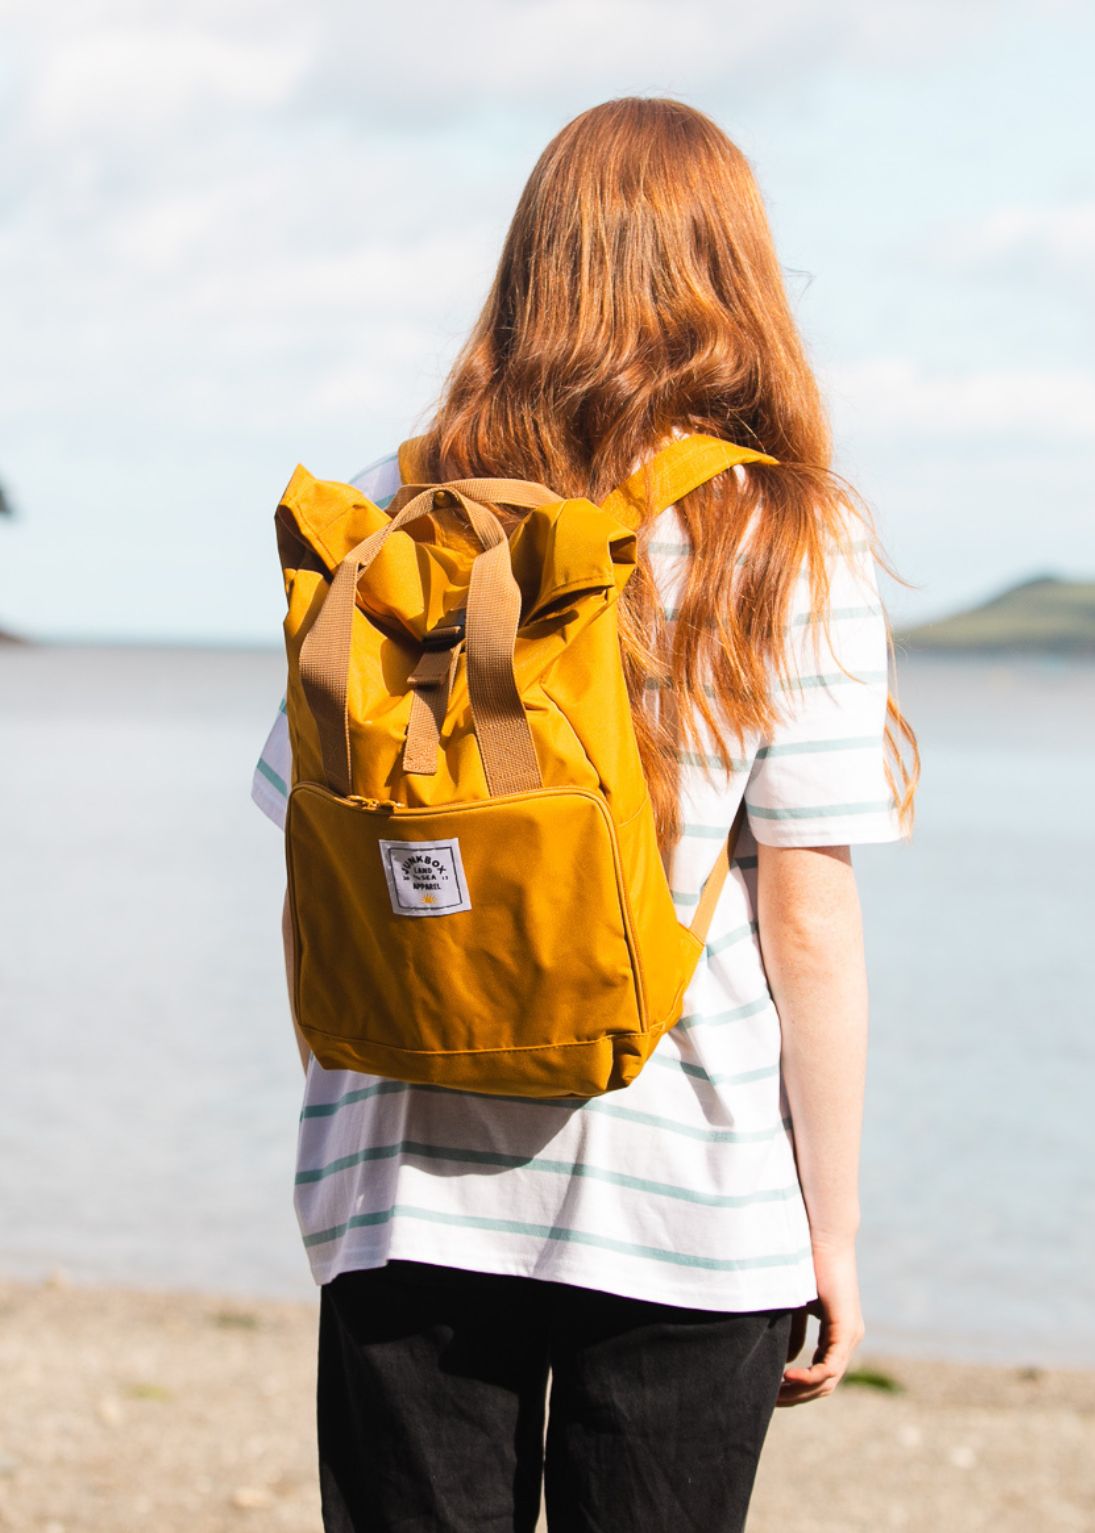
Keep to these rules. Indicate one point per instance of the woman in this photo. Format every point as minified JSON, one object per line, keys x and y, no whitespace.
{"x":657,"y":1250}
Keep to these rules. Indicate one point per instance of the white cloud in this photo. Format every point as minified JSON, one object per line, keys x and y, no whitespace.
{"x":899,"y":395}
{"x":1060,"y":238}
{"x":135,"y":67}
{"x":133,"y":78}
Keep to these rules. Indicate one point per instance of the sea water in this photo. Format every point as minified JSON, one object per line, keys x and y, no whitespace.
{"x":150,"y":1085}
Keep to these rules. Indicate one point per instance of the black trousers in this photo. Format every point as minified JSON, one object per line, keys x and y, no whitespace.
{"x":431,"y":1403}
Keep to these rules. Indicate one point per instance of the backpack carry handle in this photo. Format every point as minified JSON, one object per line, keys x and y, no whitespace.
{"x":498,"y":492}
{"x":505,"y":741}
{"x":494,"y":612}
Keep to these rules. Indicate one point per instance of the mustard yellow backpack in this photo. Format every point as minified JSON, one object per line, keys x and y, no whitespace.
{"x":475,"y":889}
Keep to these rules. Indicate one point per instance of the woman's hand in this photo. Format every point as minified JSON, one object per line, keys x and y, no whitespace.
{"x":841,"y":1331}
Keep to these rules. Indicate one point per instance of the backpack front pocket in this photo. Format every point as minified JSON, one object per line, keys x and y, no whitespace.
{"x":499,"y":926}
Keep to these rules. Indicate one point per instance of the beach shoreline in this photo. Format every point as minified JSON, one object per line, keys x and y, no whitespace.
{"x":185,"y":1410}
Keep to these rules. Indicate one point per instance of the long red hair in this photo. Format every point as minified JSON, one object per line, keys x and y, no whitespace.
{"x":639,"y":292}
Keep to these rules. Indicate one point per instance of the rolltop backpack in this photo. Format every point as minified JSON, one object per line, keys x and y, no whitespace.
{"x":476,"y":894}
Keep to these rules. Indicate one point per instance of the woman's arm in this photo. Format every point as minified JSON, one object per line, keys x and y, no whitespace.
{"x":811,"y":937}
{"x":287,"y":939}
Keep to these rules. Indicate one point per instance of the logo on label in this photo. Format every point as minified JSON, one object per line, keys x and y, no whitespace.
{"x":425,"y":878}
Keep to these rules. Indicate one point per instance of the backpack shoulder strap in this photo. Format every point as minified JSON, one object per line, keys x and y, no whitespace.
{"x":715,"y":881}
{"x":672,"y":473}
{"x":675,"y":471}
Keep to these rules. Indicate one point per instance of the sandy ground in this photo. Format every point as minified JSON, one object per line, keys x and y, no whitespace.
{"x":122,"y":1411}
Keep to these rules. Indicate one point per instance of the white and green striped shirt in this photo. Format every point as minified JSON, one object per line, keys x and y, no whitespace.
{"x":681,"y":1188}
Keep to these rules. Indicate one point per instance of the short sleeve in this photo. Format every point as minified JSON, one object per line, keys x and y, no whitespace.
{"x":273,"y":771}
{"x":818,"y":779}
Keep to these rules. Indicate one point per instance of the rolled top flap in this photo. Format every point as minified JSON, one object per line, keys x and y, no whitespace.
{"x":559,"y":551}
{"x":556,"y":551}
{"x":423,"y":571}
{"x":332,"y":517}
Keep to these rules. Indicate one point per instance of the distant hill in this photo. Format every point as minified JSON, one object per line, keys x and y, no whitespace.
{"x":1043,"y":615}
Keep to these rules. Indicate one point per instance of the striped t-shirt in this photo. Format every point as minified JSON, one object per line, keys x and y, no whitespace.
{"x":682,"y":1187}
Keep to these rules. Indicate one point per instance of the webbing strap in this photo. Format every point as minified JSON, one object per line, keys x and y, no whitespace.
{"x":716,"y":879}
{"x":501,"y":724}
{"x":494,"y":611}
{"x":498,"y":492}
{"x":432,"y":680}
{"x":674,"y":472}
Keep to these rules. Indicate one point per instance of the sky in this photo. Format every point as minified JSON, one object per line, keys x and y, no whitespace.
{"x":239,"y":236}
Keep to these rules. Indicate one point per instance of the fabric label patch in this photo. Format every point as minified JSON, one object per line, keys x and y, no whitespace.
{"x":425,"y":878}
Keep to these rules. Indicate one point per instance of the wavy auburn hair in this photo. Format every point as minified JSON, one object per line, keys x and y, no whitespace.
{"x":638,"y":294}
